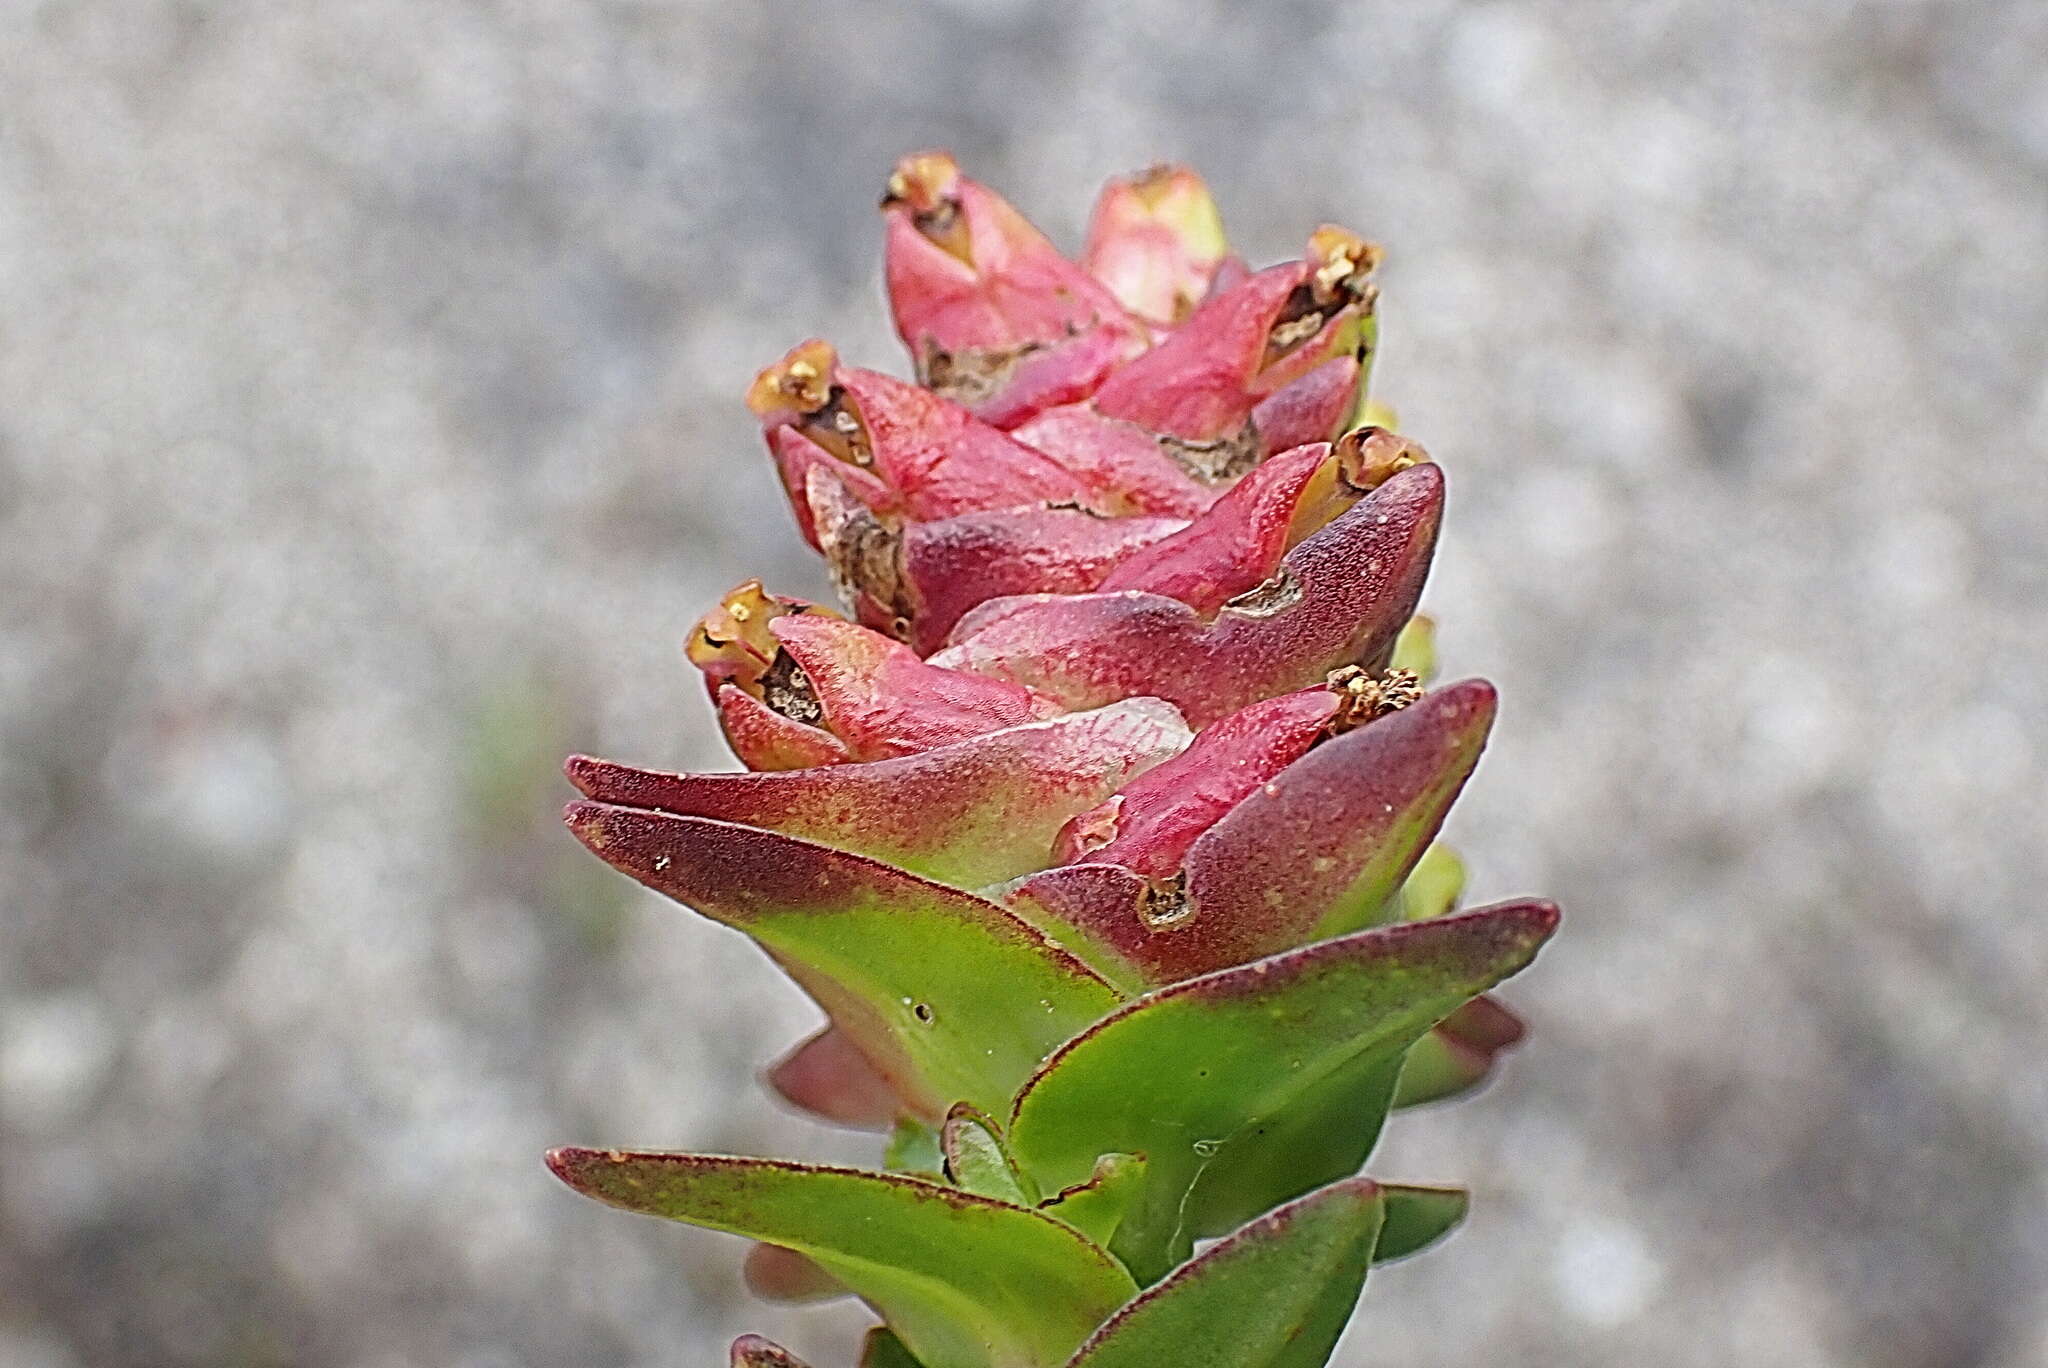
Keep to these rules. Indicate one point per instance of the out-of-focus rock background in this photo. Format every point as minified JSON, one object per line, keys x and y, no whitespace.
{"x":370,"y":433}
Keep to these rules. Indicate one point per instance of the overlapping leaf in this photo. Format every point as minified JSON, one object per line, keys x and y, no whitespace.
{"x":972,"y":813}
{"x":1197,"y":1076}
{"x":964,"y":1281}
{"x":1275,"y":1294}
{"x":950,"y":997}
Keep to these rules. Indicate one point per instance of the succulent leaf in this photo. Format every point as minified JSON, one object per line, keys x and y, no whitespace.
{"x":963,"y":1281}
{"x":952,"y":566}
{"x":1096,"y":1208}
{"x":971,"y":813}
{"x":1457,"y":1056}
{"x":1259,"y":837}
{"x":1125,"y":467}
{"x":1332,"y":837}
{"x":828,"y":1076}
{"x":1339,"y":599}
{"x":1434,"y":886}
{"x":1275,"y":1294}
{"x":1192,"y":1076}
{"x":1156,"y":240}
{"x":881,"y":1349}
{"x":992,"y":313}
{"x":978,"y":1161}
{"x":1234,"y":546}
{"x":880,"y":700}
{"x":775,"y":1274}
{"x":949,"y":996}
{"x":1415,"y":648}
{"x":1150,"y":822}
{"x":1417,"y":1217}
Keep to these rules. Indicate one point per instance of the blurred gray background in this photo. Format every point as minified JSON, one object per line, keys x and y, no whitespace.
{"x":370,"y":433}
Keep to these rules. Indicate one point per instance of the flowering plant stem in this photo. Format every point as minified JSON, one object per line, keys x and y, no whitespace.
{"x":1102,"y":825}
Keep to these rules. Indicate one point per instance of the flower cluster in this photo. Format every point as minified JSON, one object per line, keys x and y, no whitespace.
{"x":1101,"y":823}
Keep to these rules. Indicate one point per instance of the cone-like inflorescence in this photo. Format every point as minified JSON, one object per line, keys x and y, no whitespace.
{"x":1101,"y":823}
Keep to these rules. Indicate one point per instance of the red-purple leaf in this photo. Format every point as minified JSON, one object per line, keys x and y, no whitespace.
{"x":1341,"y":598}
{"x":1341,"y":827}
{"x":973,"y":813}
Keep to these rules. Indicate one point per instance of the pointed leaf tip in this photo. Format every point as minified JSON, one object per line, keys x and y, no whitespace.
{"x":828,"y":1076}
{"x":1339,"y":598}
{"x":1261,"y":1080}
{"x":1417,"y":1217}
{"x":972,"y":813}
{"x":1274,"y":1294}
{"x":961,"y":1279}
{"x":1329,"y":840}
{"x":948,"y":995}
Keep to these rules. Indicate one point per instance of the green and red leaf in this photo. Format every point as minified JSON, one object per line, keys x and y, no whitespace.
{"x":949,"y":996}
{"x":1197,"y":1076}
{"x":972,"y":813}
{"x":1275,"y":1294}
{"x":963,"y":1281}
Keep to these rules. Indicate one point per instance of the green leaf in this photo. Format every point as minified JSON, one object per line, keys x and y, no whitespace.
{"x":977,"y":1160}
{"x":963,"y":1281}
{"x":1097,"y":1207}
{"x":1274,"y":1295}
{"x":1415,"y":648}
{"x":1433,"y":886}
{"x":1324,"y":1134}
{"x":1438,"y":1068}
{"x":1417,"y":1217}
{"x":883,"y":1350}
{"x":949,"y":996}
{"x":1198,"y":1075}
{"x":914,"y":1148}
{"x":1458,"y":1054}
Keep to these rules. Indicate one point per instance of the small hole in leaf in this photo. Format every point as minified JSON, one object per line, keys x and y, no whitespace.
{"x":923,"y":1012}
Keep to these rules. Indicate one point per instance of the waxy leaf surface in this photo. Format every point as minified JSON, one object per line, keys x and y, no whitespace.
{"x":949,"y":996}
{"x":1192,"y":1076}
{"x":1096,"y":1208}
{"x":1328,"y":841}
{"x":970,"y":814}
{"x":1275,"y":1294}
{"x":1340,"y":599}
{"x":1417,"y":1217}
{"x":964,"y":1281}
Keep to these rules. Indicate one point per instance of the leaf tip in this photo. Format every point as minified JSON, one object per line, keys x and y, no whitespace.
{"x":581,"y":771}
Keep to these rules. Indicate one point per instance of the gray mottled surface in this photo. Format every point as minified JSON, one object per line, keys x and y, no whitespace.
{"x":370,"y":432}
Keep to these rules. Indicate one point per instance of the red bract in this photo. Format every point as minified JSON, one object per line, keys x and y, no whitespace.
{"x":1156,"y":241}
{"x":993,"y":314}
{"x":1338,"y":598}
{"x":898,"y":447}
